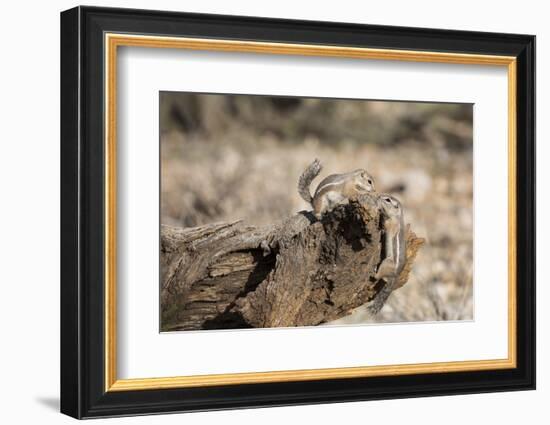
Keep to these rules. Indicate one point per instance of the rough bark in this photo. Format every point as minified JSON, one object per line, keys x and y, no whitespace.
{"x":298,"y":272}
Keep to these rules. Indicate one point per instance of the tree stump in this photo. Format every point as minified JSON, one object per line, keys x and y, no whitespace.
{"x":299,"y":272}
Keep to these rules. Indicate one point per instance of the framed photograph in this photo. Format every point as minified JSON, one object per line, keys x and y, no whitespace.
{"x":261,"y":212}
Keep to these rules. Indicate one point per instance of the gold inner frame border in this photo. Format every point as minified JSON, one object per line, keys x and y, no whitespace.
{"x":113,"y":40}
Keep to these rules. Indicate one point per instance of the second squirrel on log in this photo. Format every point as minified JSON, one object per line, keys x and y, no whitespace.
{"x":340,"y":189}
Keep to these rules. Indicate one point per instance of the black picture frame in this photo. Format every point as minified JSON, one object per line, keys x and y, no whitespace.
{"x":83,"y":392}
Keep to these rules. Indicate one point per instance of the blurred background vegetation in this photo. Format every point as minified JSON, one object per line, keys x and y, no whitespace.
{"x":228,"y":157}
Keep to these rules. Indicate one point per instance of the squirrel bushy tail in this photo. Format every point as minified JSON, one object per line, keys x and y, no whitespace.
{"x":306,"y":178}
{"x":379,"y":300}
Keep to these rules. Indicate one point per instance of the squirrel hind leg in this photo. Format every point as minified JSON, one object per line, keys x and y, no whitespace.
{"x":327,"y":202}
{"x":386,"y":269}
{"x":319,"y":206}
{"x":332,"y":199}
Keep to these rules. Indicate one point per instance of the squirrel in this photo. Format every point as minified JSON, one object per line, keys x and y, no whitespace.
{"x":334,"y":189}
{"x":395,"y":247}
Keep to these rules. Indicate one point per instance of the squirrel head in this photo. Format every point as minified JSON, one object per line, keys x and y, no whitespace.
{"x":390,"y":205}
{"x":363,"y":181}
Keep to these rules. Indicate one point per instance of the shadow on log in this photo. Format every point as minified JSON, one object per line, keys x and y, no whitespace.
{"x":300,"y":272}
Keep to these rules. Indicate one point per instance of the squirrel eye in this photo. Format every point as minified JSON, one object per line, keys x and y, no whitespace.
{"x":387,"y":200}
{"x":369,"y":181}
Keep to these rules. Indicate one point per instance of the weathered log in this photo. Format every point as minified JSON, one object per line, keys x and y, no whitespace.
{"x":299,"y":272}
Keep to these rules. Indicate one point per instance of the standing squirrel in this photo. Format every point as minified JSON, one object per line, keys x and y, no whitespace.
{"x":395,"y":249}
{"x":334,"y":189}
